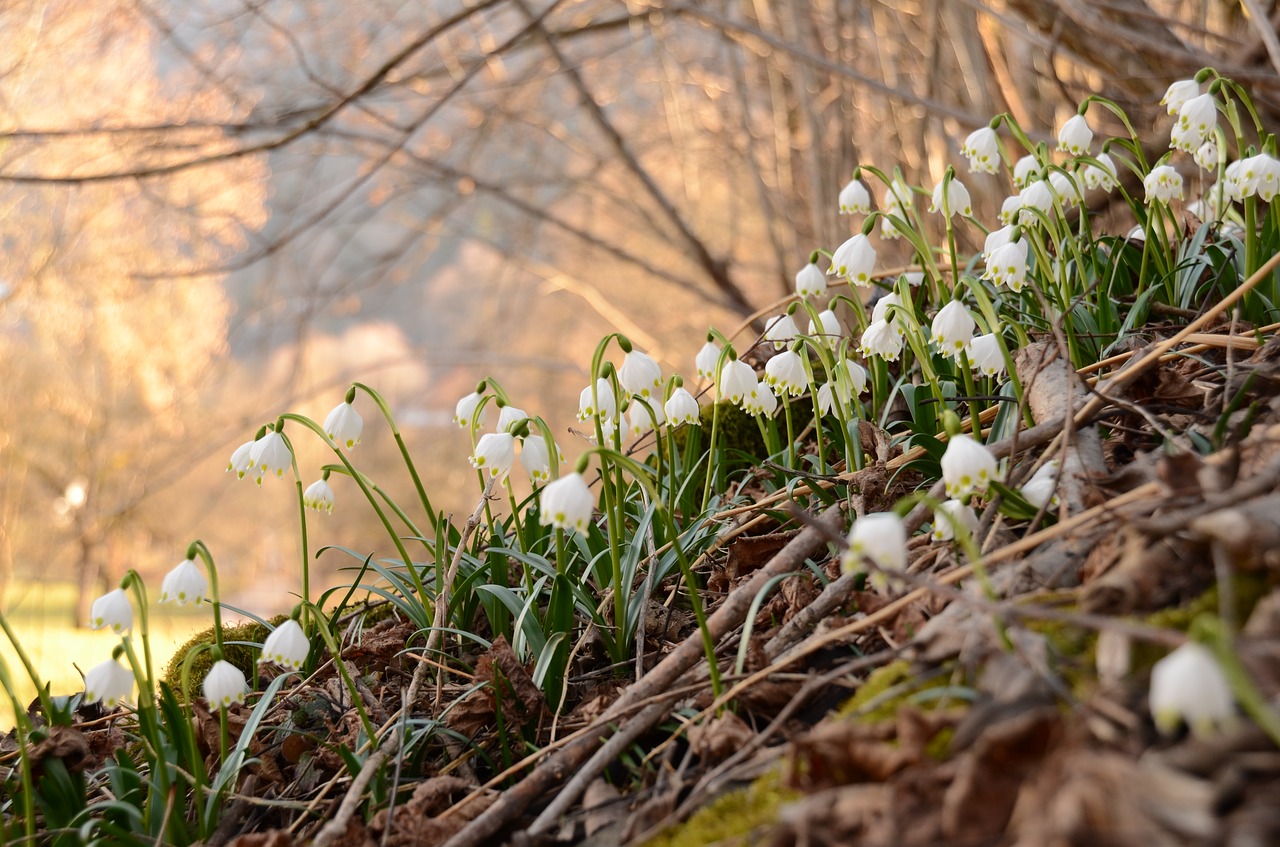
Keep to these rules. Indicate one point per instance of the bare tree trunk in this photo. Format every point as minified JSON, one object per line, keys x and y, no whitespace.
{"x":90,"y":579}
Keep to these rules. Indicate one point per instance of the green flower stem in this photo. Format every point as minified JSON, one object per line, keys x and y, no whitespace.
{"x":409,"y":523}
{"x":1124,"y":119}
{"x":975,"y":405}
{"x":364,"y":489}
{"x":562,"y":558}
{"x":356,"y":699}
{"x":791,"y":433}
{"x":23,"y":725}
{"x":139,"y":589}
{"x":198,"y":548}
{"x":1250,"y":235}
{"x":148,"y":723}
{"x":985,"y":306}
{"x":640,"y":475}
{"x":404,"y":450}
{"x":46,"y":702}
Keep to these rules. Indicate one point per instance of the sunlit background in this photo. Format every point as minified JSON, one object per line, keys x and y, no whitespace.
{"x":215,"y":211}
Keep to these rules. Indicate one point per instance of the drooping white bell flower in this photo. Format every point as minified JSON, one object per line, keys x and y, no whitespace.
{"x":1025,"y":170}
{"x":1178,"y":94}
{"x":1064,"y":188}
{"x":567,"y":503}
{"x":810,"y":281}
{"x":344,"y":425}
{"x":985,"y":355}
{"x":1163,"y":184}
{"x":880,"y":311}
{"x":851,"y":375}
{"x":955,"y":202}
{"x":108,"y":683}
{"x":1189,"y":684}
{"x":948,"y":515}
{"x":761,"y":401}
{"x":495,"y":453}
{"x":240,"y":462}
{"x":509,"y":416}
{"x":882,"y":538}
{"x":1007,"y":265}
{"x":1075,"y":137}
{"x":897,"y":204}
{"x":785,"y":372}
{"x":319,"y":496}
{"x":854,"y":260}
{"x":967,"y":466}
{"x":1184,"y":137}
{"x":270,"y":455}
{"x":1101,"y":178}
{"x":186,"y":583}
{"x":883,"y":339}
{"x":287,"y":646}
{"x":607,"y":408}
{"x":682,"y":408}
{"x":112,"y":611}
{"x":781,"y":330}
{"x":1262,"y":175}
{"x":1010,"y":209}
{"x":705,"y":362}
{"x":982,"y":149}
{"x":643,"y":418}
{"x":952,"y":329}
{"x":1196,"y":119}
{"x":1206,"y":156}
{"x":464,"y":413}
{"x":854,"y":198}
{"x":224,"y":684}
{"x":829,"y":393}
{"x":1040,"y":490}
{"x":996,"y":239}
{"x":1036,"y":197}
{"x":830,"y":331}
{"x":639,"y":375}
{"x":737,"y":380}
{"x":535,"y":458}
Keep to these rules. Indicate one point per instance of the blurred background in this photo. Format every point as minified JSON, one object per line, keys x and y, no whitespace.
{"x":214,"y":211}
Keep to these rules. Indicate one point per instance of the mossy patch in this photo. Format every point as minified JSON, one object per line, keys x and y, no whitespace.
{"x":736,"y":819}
{"x":887,"y":689}
{"x":242,"y":655}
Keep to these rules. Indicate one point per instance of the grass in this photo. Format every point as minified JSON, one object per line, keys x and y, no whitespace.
{"x":41,"y":614}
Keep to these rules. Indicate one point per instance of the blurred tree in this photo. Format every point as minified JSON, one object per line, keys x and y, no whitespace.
{"x":102,"y":367}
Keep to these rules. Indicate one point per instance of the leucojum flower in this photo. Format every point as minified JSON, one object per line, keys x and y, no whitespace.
{"x":567,"y":503}
{"x":982,"y":149}
{"x":951,"y":198}
{"x":344,"y":425}
{"x":508,"y":417}
{"x":948,"y":515}
{"x":224,"y":684}
{"x":810,"y":281}
{"x":270,"y":455}
{"x":186,"y":583}
{"x":781,"y":331}
{"x":108,"y":683}
{"x":682,"y":408}
{"x":1188,"y":684}
{"x":319,"y":496}
{"x":985,"y":355}
{"x":535,"y":457}
{"x":112,"y":611}
{"x":495,"y":453}
{"x":854,"y":260}
{"x":1075,"y":137}
{"x":464,"y":413}
{"x":704,"y":363}
{"x":1163,"y":184}
{"x":1007,"y":265}
{"x":854,"y":198}
{"x":737,"y":380}
{"x":240,"y":462}
{"x":952,"y":329}
{"x":640,"y":375}
{"x":882,"y":538}
{"x":786,"y":373}
{"x":287,"y":646}
{"x":967,"y":466}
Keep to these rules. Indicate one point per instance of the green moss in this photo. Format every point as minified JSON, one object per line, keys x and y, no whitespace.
{"x":1248,"y":589}
{"x":242,"y":656}
{"x":737,"y":818}
{"x":738,"y":435}
{"x":888,"y":688}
